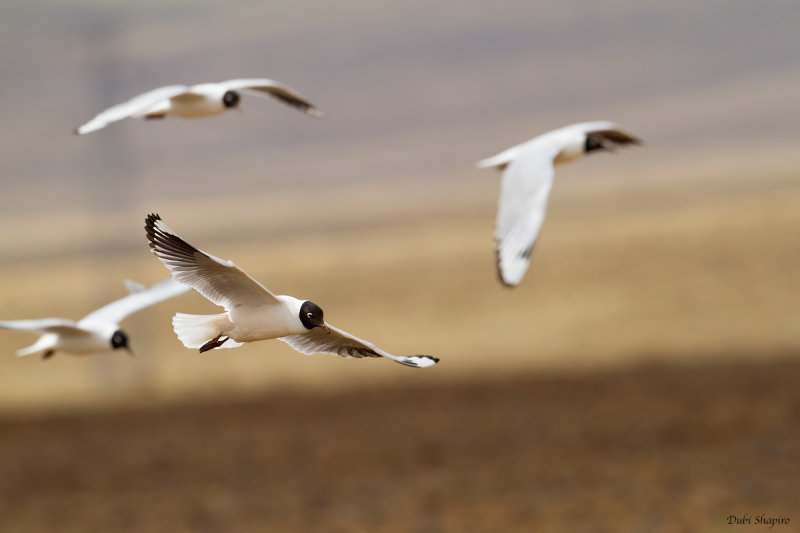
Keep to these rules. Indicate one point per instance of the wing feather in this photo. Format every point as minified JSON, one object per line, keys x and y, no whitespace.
{"x":524,"y":192}
{"x":133,"y":107}
{"x":116,"y":311}
{"x":220,"y":281}
{"x":44,"y":325}
{"x":343,"y":344}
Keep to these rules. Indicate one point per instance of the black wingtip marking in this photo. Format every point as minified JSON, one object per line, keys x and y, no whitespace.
{"x":527,"y":252}
{"x":411,"y":360}
{"x":166,"y":245}
{"x":609,"y":140}
{"x":150,"y":228}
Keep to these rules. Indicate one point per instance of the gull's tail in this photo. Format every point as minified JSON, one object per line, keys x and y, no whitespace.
{"x":44,"y":344}
{"x":500,"y":160}
{"x":194,"y":331}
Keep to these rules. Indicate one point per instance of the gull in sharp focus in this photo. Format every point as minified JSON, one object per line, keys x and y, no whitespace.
{"x":98,"y":331}
{"x":528,"y":170}
{"x":202,"y":100}
{"x":252,"y":312}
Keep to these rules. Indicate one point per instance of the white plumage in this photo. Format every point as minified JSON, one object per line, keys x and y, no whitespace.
{"x":252,"y":312}
{"x":528,"y":170}
{"x":201,"y":100}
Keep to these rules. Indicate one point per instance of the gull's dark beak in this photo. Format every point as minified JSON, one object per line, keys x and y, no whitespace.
{"x":128,"y":349}
{"x":325,"y":327}
{"x":239,"y":108}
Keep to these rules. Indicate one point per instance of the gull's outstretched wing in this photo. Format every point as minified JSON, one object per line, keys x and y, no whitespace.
{"x":220,"y":281}
{"x":133,"y":107}
{"x":61,"y":326}
{"x":341,"y":343}
{"x":524,"y":191}
{"x":262,"y":86}
{"x":116,"y":311}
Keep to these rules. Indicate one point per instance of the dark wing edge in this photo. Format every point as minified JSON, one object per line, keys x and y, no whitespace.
{"x":166,"y":245}
{"x":617,"y":137}
{"x":343,"y":344}
{"x":289,"y":97}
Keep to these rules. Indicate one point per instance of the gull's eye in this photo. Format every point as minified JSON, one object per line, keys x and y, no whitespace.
{"x":309,"y":315}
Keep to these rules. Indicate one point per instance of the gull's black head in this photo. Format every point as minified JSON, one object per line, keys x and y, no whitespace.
{"x":593,"y":142}
{"x":311,"y":315}
{"x":120,"y":340}
{"x":230,"y":99}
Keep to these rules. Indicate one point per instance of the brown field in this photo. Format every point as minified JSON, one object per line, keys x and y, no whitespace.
{"x":654,"y":448}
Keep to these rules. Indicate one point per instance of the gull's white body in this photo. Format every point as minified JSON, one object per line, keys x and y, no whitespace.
{"x":92,"y":334}
{"x":252,"y":312}
{"x":83,"y":340}
{"x":209,"y":104}
{"x":242,"y":324}
{"x":268,"y":322}
{"x":195,"y":101}
{"x":528,"y":170}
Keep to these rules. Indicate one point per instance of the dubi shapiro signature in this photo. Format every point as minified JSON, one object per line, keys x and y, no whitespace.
{"x":758,"y":519}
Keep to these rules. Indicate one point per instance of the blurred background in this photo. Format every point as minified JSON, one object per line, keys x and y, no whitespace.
{"x":642,"y":377}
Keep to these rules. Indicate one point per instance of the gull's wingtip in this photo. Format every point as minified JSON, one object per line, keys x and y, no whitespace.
{"x":499,"y":161}
{"x":150,"y":222}
{"x":83,"y":129}
{"x":418,"y":361}
{"x":134,"y":287}
{"x":502,"y":276}
{"x":506,"y":283}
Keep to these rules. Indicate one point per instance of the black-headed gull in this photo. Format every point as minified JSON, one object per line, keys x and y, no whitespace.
{"x":528,"y":170}
{"x":98,"y":331}
{"x":252,"y":312}
{"x":202,"y":100}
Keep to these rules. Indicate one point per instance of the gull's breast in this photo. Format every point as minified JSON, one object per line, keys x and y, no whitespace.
{"x":196,"y":107}
{"x":264,"y":322}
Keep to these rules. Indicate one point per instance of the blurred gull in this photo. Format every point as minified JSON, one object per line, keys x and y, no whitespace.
{"x":203,"y":100}
{"x":527,"y":177}
{"x":252,"y":312}
{"x":98,"y":331}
